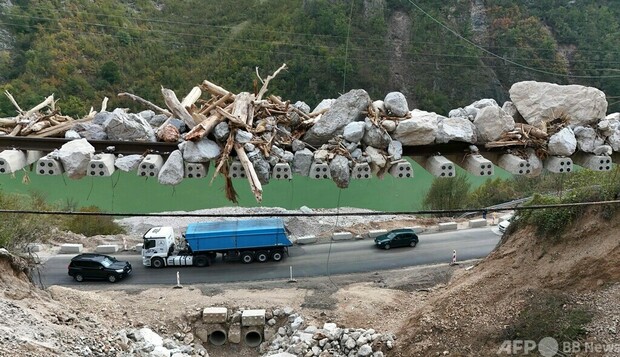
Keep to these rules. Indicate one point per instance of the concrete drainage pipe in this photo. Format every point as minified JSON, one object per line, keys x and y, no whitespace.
{"x":253,"y":336}
{"x":218,"y":337}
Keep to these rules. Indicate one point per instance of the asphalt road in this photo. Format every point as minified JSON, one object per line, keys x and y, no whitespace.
{"x":306,"y":261}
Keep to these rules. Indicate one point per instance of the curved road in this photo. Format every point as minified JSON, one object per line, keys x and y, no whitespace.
{"x":306,"y":261}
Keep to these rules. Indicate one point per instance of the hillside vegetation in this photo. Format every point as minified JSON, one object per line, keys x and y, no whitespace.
{"x":84,"y":50}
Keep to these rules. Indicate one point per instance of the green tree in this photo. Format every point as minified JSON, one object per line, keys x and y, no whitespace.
{"x":448,"y":193}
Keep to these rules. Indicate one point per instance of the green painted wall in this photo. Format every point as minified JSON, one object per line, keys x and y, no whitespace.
{"x":129,"y":193}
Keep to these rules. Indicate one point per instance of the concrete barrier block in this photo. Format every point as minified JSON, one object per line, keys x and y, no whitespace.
{"x":439,"y":166}
{"x":361,"y":171}
{"x":448,"y":226}
{"x":138,"y":247}
{"x":33,"y":156}
{"x":342,"y":236}
{"x":106,"y":248}
{"x":253,"y":317}
{"x":320,"y":171}
{"x":479,"y":166}
{"x":150,"y":165}
{"x":70,"y":248}
{"x":49,"y":166}
{"x":101,"y":165}
{"x":306,"y":240}
{"x":514,"y":164}
{"x":236,"y":170}
{"x":196,"y":170}
{"x":594,"y":162}
{"x":214,"y":315}
{"x":559,"y":165}
{"x":480,"y":222}
{"x":401,"y":169}
{"x":282,"y":171}
{"x":416,"y":229}
{"x":12,"y":161}
{"x":376,"y":232}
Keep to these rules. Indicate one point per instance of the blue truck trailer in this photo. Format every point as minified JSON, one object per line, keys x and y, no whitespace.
{"x":246,"y":240}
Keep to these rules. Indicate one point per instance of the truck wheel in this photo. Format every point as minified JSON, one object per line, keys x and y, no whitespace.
{"x":79,"y":278}
{"x":276,"y":256}
{"x":262,"y":256}
{"x":112,"y":278}
{"x":201,"y":261}
{"x":157,"y":263}
{"x":247,"y":257}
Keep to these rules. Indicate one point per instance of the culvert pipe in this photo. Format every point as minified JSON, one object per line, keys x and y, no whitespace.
{"x":253,"y":336}
{"x":218,"y":337}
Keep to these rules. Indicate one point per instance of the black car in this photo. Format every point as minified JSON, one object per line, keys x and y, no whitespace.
{"x":404,"y":237}
{"x":98,"y":267}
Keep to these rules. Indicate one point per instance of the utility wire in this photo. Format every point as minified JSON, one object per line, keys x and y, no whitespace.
{"x":332,"y":214}
{"x":501,"y":57}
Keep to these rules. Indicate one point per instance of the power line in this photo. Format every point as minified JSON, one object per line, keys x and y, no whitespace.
{"x":337,"y":214}
{"x":501,"y":57}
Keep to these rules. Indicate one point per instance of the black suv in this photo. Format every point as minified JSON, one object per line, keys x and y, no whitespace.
{"x":98,"y":266}
{"x":403,"y":237}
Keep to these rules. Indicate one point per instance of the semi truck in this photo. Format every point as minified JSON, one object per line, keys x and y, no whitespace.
{"x":246,"y":240}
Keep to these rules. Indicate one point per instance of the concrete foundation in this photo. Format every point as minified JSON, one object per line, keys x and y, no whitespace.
{"x":558,"y":164}
{"x":361,"y":171}
{"x":236,"y":170}
{"x":214,"y":315}
{"x":101,"y":165}
{"x":150,"y":165}
{"x":48,"y":166}
{"x":196,"y":170}
{"x":514,"y":164}
{"x":11,"y":161}
{"x":320,"y":171}
{"x":439,"y":166}
{"x":594,"y":162}
{"x":282,"y":171}
{"x":479,"y":166}
{"x":401,"y":170}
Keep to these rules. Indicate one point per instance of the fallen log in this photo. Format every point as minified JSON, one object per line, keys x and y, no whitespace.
{"x":145,"y":102}
{"x":172,"y":102}
{"x":255,"y":184}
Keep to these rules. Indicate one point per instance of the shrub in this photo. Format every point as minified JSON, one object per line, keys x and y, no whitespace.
{"x":92,"y":225}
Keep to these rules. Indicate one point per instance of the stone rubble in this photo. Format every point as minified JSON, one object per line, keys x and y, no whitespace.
{"x":353,"y":129}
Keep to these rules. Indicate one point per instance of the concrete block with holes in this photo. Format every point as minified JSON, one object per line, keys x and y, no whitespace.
{"x":236,"y":170}
{"x":479,"y":166}
{"x":361,"y":171}
{"x":196,"y":169}
{"x":214,"y":315}
{"x":559,"y":165}
{"x":253,"y":317}
{"x":49,"y":166}
{"x":11,"y":161}
{"x":281,"y":171}
{"x":401,"y":170}
{"x":101,"y":165}
{"x":150,"y":165}
{"x":514,"y":164}
{"x":594,"y":162}
{"x":439,"y":166}
{"x":320,"y":171}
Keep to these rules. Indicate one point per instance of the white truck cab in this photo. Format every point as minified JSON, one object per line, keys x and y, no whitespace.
{"x":159,"y":243}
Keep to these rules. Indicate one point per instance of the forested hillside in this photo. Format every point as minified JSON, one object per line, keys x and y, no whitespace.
{"x":83,"y":50}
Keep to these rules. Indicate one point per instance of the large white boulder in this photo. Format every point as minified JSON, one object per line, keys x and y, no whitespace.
{"x":562,"y":143}
{"x":420,"y":129}
{"x":540,"y":102}
{"x":491,"y":122}
{"x":75,"y":157}
{"x":455,"y":129}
